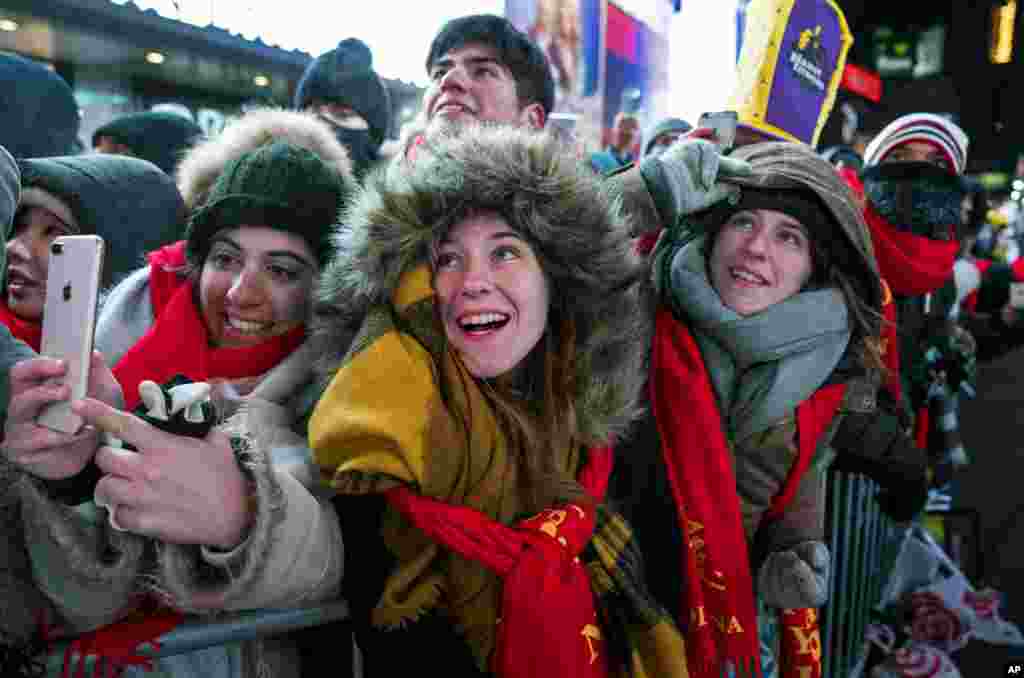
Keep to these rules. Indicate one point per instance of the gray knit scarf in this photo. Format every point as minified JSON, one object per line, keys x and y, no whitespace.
{"x":761,"y":366}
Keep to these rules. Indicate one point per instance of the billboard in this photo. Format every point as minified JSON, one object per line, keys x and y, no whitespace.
{"x":603,"y":59}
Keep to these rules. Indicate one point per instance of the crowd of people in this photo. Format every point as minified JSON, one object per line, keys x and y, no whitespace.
{"x":528,"y":414}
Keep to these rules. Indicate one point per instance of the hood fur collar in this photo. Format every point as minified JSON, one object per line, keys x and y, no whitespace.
{"x":575,"y":228}
{"x":203,"y":163}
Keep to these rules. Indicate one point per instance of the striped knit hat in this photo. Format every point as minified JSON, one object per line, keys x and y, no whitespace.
{"x":924,"y":127}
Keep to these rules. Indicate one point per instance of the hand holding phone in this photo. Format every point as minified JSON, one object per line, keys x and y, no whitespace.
{"x":69,"y":317}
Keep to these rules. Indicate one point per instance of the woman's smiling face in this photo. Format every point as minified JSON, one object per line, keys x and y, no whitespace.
{"x":493,"y":295}
{"x":759,"y":258}
{"x":255,"y":284}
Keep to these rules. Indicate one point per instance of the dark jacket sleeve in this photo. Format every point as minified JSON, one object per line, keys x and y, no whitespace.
{"x":12,"y":351}
{"x":872,"y":442}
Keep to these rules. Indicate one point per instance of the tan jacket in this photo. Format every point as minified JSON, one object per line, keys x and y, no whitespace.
{"x":293,"y":554}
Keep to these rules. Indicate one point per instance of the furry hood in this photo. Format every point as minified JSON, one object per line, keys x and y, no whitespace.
{"x":576,"y":229}
{"x":203,"y":164}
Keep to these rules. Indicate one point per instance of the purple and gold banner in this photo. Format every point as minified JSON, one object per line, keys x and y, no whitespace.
{"x":790,"y":65}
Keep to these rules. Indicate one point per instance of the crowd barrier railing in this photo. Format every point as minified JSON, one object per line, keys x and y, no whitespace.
{"x":864,"y":544}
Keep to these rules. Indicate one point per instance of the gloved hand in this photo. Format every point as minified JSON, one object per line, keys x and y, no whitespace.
{"x":690,"y":169}
{"x":797,"y":577}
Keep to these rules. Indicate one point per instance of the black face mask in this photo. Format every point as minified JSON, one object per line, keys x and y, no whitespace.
{"x":916,"y":197}
{"x":362,"y":149}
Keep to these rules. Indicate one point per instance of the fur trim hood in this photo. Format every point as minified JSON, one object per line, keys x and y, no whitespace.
{"x":202,"y":165}
{"x":575,"y":228}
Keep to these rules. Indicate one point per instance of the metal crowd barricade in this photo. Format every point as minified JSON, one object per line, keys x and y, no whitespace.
{"x":200,"y":633}
{"x":863,"y":543}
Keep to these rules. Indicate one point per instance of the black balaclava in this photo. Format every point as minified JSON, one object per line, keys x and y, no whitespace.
{"x":916,"y":197}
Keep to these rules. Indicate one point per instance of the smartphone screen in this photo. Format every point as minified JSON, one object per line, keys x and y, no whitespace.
{"x":69,"y":316}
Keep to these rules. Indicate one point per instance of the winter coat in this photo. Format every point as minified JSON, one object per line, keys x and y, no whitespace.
{"x":866,"y":434}
{"x":870,"y":438}
{"x":293,"y":553}
{"x":11,"y":350}
{"x":291,"y":557}
{"x":388,"y":232}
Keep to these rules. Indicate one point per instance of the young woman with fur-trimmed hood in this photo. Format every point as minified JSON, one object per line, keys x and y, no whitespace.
{"x":214,"y":523}
{"x":466,"y":430}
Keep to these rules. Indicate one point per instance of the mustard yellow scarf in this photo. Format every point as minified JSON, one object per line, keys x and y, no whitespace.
{"x":383,"y":421}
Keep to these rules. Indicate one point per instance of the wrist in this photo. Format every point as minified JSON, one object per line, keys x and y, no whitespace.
{"x":237,"y":530}
{"x":247,"y":505}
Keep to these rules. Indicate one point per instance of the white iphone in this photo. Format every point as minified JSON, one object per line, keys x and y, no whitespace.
{"x":69,"y":316}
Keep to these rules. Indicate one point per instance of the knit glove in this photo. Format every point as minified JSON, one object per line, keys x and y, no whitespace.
{"x":690,"y":170}
{"x":797,"y":577}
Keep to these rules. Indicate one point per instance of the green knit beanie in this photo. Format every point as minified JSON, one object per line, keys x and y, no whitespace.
{"x":278,"y":185}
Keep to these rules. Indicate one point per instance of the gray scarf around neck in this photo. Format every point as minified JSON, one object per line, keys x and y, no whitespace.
{"x":761,"y":366}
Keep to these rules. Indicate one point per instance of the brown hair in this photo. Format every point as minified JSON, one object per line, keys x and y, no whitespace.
{"x":841,"y":247}
{"x":535,"y":401}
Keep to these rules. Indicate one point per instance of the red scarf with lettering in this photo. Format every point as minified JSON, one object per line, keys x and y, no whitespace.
{"x":178,"y":343}
{"x":719,"y":596}
{"x":722,"y":626}
{"x":912,"y":264}
{"x":538,"y":560}
{"x":27,"y":330}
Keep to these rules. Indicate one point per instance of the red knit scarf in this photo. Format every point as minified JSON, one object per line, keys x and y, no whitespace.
{"x":538,"y":561}
{"x":722,"y":618}
{"x":178,"y":343}
{"x":719,"y":596}
{"x":912,"y":264}
{"x":29,"y":331}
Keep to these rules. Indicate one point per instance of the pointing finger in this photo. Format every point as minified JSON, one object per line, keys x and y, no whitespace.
{"x":122,"y":425}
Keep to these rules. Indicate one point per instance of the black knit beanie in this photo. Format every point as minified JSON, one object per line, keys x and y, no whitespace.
{"x":156,"y":136}
{"x":277,"y":185}
{"x":345,"y":75}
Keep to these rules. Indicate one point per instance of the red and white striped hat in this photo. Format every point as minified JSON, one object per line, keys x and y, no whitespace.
{"x":935,"y":130}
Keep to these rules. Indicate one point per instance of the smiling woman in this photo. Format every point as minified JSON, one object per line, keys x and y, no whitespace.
{"x":492,"y":294}
{"x":236,"y":290}
{"x":500,"y":351}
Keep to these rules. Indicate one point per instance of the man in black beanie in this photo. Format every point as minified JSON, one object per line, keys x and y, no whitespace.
{"x":342,"y":88}
{"x":157,"y":136}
